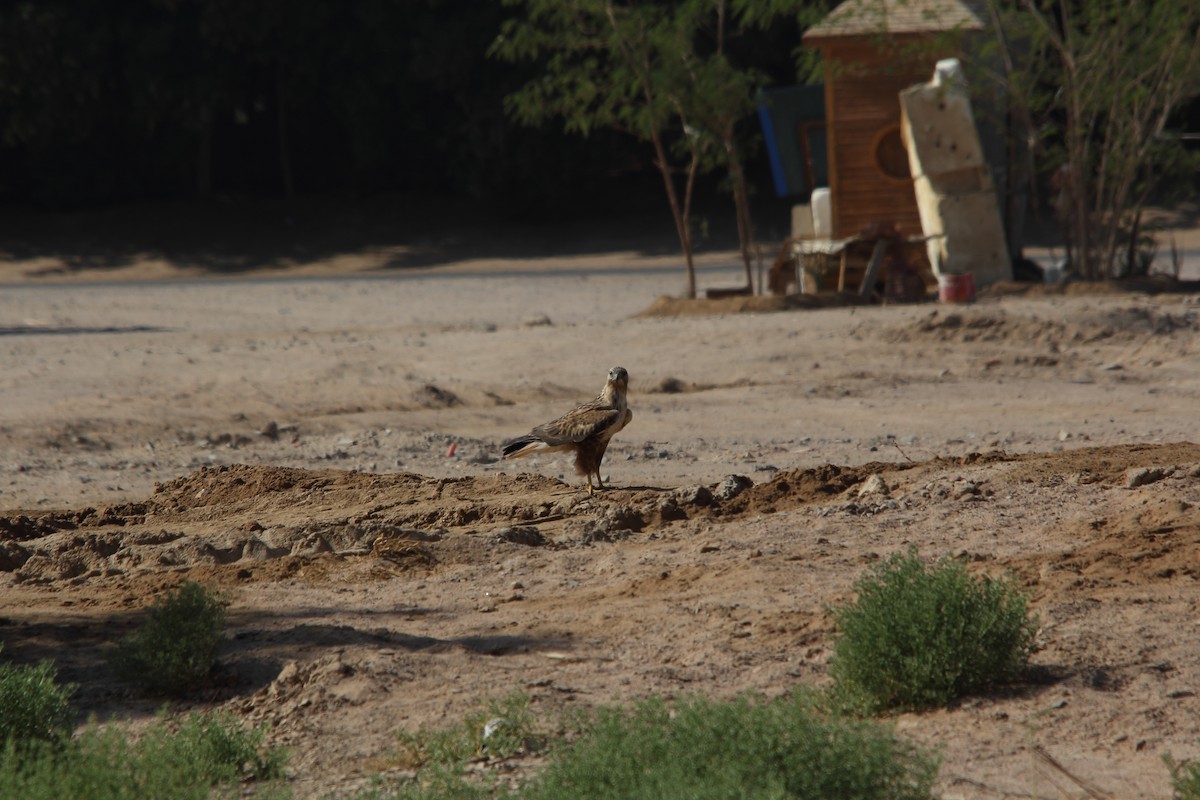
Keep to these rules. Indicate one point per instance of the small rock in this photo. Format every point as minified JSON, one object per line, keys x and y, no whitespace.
{"x":1142,"y":476}
{"x":694,"y":496}
{"x":732,"y":486}
{"x":255,"y":549}
{"x":431,"y":396}
{"x":622,"y":518}
{"x":12,"y":556}
{"x":522,"y":534}
{"x":967,"y":491}
{"x":873,"y":485}
{"x":537,"y":321}
{"x":290,"y":671}
{"x":589,"y":532}
{"x":669,"y":510}
{"x":1063,"y":436}
{"x":312,"y":545}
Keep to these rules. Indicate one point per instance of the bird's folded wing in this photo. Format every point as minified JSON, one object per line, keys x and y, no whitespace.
{"x":577,"y":425}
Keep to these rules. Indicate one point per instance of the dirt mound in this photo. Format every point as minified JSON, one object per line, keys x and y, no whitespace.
{"x":257,"y":523}
{"x":996,"y":325}
{"x":743,"y":304}
{"x":1150,"y":284}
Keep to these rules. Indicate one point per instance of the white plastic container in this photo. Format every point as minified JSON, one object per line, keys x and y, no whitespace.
{"x":822,"y":212}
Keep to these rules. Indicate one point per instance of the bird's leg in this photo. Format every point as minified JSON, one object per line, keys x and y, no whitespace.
{"x":599,"y":480}
{"x":591,"y":491}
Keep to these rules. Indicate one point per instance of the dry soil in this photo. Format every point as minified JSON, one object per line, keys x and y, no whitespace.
{"x":324,"y":449}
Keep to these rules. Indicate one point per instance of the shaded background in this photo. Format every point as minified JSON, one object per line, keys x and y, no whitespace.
{"x":244,"y":115}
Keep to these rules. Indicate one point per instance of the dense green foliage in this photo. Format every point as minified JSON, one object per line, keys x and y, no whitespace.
{"x":33,"y":706}
{"x":692,"y":748}
{"x":668,"y":74}
{"x":176,"y":647}
{"x":920,"y":636}
{"x":179,"y":762}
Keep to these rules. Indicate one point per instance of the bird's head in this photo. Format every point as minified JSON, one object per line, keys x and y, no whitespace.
{"x":619,"y":376}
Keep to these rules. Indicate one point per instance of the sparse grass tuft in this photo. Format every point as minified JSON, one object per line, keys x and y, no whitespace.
{"x":33,"y":706}
{"x":175,"y":648}
{"x":497,"y":730}
{"x":1185,"y":778}
{"x":697,"y":749}
{"x":920,"y":637}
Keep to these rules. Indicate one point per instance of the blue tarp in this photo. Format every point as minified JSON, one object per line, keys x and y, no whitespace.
{"x":793,"y":124}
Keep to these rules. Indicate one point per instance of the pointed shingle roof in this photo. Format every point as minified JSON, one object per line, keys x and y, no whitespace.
{"x":872,"y":17}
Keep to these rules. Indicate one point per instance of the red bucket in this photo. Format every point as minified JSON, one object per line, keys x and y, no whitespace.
{"x":956,"y":288}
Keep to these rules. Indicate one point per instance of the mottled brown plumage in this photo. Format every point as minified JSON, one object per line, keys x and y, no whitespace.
{"x":584,"y":430}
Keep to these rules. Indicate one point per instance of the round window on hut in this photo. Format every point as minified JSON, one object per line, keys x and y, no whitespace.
{"x":891,"y":157}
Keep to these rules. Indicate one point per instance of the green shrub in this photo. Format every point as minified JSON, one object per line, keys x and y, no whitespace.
{"x":212,"y":749}
{"x":174,"y":762}
{"x":1185,"y":778}
{"x":919,"y":637}
{"x":176,"y":647}
{"x":33,"y":706}
{"x":747,"y":748}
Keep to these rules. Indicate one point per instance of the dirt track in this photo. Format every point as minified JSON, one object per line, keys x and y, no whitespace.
{"x":290,"y":442}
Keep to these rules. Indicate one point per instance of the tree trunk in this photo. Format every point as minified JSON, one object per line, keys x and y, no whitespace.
{"x":741,"y":203}
{"x":682,"y":215}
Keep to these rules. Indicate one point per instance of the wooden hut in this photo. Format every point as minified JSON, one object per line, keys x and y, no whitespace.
{"x":872,"y":49}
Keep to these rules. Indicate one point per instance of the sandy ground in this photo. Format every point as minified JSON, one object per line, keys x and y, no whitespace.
{"x":324,"y":447}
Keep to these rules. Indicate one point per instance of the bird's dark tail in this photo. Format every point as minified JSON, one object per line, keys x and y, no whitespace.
{"x":514,"y":448}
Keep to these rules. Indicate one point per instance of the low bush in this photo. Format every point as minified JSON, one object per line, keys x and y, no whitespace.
{"x":750,"y":748}
{"x":34,"y":707}
{"x":200,"y":758}
{"x":921,"y":636}
{"x":175,"y":648}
